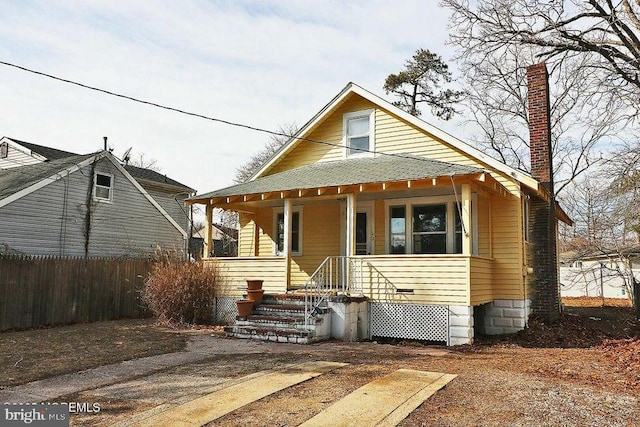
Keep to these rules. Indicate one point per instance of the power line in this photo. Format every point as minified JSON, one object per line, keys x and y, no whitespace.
{"x":202,"y":116}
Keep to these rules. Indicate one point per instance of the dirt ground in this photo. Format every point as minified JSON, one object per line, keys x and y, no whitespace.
{"x":40,"y":353}
{"x":584,"y":370}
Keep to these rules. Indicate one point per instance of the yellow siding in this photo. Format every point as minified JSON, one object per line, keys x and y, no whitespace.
{"x":265,"y":219}
{"x":438,"y":279}
{"x":392,"y":135}
{"x":236,"y":271}
{"x":484,"y":227}
{"x":507,"y":249}
{"x":320,"y":239}
{"x":481,"y":280}
{"x":246,"y":235}
{"x":330,"y":130}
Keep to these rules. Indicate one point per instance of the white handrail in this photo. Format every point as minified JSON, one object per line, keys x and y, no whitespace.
{"x":335,"y":274}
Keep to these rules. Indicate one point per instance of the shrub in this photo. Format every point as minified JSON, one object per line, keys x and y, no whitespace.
{"x":180,"y":292}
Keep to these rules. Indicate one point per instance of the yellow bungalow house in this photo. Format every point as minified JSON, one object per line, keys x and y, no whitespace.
{"x":367,"y":201}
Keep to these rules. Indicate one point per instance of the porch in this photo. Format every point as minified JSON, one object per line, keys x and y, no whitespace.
{"x":419,"y":246}
{"x":405,"y":279}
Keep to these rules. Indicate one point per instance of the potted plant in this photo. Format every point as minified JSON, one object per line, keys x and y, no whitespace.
{"x":254,"y":285}
{"x":245,"y":307}
{"x":255,"y":296}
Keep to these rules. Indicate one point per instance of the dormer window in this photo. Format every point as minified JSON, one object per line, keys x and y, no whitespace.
{"x":359,"y":134}
{"x":103,"y":187}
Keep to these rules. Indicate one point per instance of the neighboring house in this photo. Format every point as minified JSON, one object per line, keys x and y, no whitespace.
{"x":443,"y":240}
{"x":53,"y":202}
{"x":598,"y":275}
{"x":225,"y":240}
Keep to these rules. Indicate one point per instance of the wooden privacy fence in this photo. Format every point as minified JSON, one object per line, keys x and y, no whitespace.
{"x":40,"y":291}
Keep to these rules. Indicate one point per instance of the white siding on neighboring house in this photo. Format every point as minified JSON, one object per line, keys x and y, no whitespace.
{"x":52,"y":220}
{"x":16,"y":158}
{"x":592,"y":281}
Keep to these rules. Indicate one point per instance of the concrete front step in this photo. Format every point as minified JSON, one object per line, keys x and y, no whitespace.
{"x":274,"y":321}
{"x":280,"y":318}
{"x":283,"y":299}
{"x":288,"y":335}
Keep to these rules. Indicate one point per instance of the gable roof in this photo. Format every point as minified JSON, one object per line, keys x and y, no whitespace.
{"x":346,"y":172}
{"x":155,"y":177}
{"x":352,"y":88}
{"x":16,"y":183}
{"x":46,"y":152}
{"x":15,"y":180}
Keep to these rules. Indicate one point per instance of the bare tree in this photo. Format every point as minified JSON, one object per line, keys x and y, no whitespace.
{"x":419,"y":82}
{"x":246,"y":171}
{"x":141,"y":160}
{"x":591,"y":99}
{"x":605,"y":32}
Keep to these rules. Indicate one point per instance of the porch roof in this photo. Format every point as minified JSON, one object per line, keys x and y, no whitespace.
{"x":379,"y":169}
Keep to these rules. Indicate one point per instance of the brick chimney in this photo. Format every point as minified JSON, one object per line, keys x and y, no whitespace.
{"x":540,"y":124}
{"x":542,"y":286}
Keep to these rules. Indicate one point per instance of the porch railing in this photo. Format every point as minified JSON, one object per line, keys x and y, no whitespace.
{"x":336,"y":275}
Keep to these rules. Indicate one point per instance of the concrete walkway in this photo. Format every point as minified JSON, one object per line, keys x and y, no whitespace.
{"x":199,"y":348}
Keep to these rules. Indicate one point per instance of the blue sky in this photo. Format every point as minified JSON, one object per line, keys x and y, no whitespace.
{"x":263,"y":63}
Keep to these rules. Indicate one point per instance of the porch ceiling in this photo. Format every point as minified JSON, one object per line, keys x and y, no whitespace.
{"x":339,"y":176}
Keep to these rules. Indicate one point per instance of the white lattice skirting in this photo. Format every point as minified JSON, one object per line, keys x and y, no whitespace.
{"x":225,"y":310}
{"x":407,"y":321}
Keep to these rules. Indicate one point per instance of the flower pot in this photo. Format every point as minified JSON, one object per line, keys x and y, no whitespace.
{"x":254,"y":285}
{"x":255,"y":296}
{"x":245,"y":307}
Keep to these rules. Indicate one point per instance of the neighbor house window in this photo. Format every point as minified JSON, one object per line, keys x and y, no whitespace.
{"x":4,"y":150}
{"x":430,"y":229}
{"x":358,"y":133}
{"x":397,"y":227}
{"x":296,"y":234}
{"x":103,"y":187}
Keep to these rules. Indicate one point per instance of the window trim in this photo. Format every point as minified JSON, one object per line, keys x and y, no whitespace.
{"x":95,"y":185}
{"x":408,"y":203}
{"x":276,"y":211}
{"x":370,"y":114}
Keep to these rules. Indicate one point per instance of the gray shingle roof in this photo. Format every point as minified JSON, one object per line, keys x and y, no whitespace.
{"x":346,"y":172}
{"x":17,"y":179}
{"x":48,"y":152}
{"x":151,"y":175}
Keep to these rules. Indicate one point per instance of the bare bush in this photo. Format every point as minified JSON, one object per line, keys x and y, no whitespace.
{"x":180,"y":292}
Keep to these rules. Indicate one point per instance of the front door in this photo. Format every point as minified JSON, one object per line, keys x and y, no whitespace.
{"x":364,"y":230}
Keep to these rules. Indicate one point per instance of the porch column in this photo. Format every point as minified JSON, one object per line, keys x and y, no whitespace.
{"x":350,"y":247}
{"x":467,"y":231}
{"x":287,"y":240}
{"x":208,"y":231}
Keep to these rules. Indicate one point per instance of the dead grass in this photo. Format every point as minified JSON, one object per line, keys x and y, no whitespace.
{"x":41,"y":353}
{"x":596,"y":302}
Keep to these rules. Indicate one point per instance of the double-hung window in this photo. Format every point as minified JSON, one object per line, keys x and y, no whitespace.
{"x":103,"y":187}
{"x":358,"y":133}
{"x":430,"y":229}
{"x":296,"y":232}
